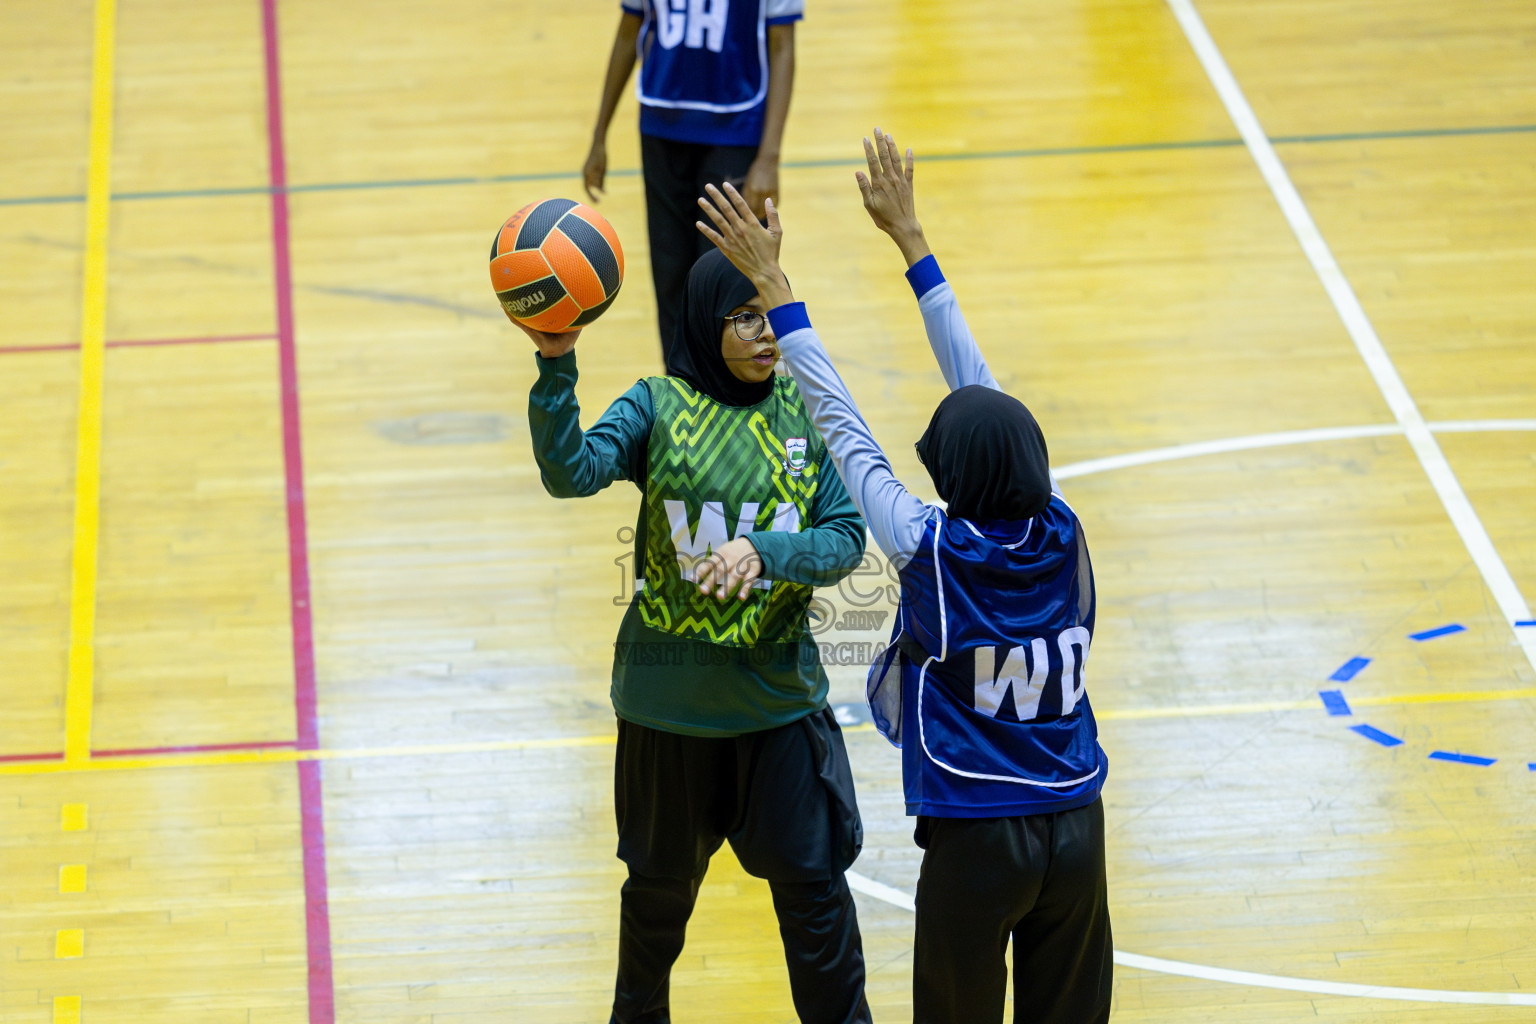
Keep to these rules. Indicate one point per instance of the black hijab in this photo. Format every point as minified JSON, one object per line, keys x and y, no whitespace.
{"x":714,"y":288}
{"x":987,"y":456}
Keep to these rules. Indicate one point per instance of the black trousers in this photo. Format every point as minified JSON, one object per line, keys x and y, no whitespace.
{"x":1036,"y":879}
{"x":675,"y":176}
{"x":783,"y":799}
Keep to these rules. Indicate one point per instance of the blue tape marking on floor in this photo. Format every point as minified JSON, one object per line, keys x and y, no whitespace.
{"x":1349,"y":670}
{"x":1430,"y":634}
{"x":1525,"y":622}
{"x":1446,"y":755}
{"x":1371,"y":733}
{"x":1334,"y":701}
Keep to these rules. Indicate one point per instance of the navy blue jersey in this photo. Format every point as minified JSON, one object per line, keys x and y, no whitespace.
{"x":983,"y":687}
{"x":704,"y":67}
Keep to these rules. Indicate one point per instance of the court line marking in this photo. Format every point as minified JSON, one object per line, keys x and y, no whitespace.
{"x":317,"y":916}
{"x":80,"y":682}
{"x":140,"y":343}
{"x":212,"y":339}
{"x":799,"y":165}
{"x":1221,"y":446}
{"x":50,"y":764}
{"x":897,"y":898}
{"x":1442,"y":478}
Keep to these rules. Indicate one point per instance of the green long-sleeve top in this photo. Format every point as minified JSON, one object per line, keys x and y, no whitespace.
{"x":679,"y":684}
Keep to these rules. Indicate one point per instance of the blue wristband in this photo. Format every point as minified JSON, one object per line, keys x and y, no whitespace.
{"x":924,"y":275}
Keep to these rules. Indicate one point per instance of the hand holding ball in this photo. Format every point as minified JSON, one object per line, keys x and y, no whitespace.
{"x":556,"y":265}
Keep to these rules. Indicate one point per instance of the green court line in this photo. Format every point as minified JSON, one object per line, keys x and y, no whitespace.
{"x":1001,"y":154}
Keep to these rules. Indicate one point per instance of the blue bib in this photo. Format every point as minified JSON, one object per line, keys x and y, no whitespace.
{"x":983,"y":684}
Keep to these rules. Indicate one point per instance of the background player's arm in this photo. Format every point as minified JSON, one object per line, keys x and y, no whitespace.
{"x":574,"y":463}
{"x":762,"y":180}
{"x":621,"y":63}
{"x":887,"y":193}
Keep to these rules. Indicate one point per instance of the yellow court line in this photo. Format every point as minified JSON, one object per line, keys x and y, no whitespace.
{"x":78,"y":691}
{"x":218,"y":758}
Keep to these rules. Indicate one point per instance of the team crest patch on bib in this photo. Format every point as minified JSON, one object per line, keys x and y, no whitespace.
{"x":794,"y":455}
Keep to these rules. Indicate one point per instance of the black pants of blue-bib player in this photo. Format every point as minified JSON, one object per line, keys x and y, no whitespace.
{"x":1036,"y":879}
{"x":783,"y":798}
{"x":675,"y":176}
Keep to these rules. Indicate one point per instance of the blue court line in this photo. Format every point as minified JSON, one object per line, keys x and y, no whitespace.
{"x":575,"y":175}
{"x":1347,"y":671}
{"x":1525,"y":622}
{"x":1334,"y":701}
{"x":1430,"y":634}
{"x":1372,"y":733}
{"x":1445,"y":755}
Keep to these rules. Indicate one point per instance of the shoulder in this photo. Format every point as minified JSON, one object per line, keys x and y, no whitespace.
{"x":787,"y":393}
{"x":661,"y":388}
{"x":779,"y":12}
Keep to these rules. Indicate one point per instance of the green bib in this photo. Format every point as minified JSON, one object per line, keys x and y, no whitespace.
{"x":716,"y":472}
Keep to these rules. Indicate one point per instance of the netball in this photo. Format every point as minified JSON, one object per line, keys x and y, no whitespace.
{"x":556,"y":265}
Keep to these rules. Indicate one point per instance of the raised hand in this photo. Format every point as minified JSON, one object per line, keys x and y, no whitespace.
{"x":753,"y":248}
{"x":887,"y":192}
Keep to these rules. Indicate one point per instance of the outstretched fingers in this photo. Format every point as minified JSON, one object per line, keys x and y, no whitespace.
{"x":871,"y":156}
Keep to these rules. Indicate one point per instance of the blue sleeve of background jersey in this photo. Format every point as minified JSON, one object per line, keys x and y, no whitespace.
{"x":895,"y":517}
{"x":574,"y":463}
{"x":960,"y":360}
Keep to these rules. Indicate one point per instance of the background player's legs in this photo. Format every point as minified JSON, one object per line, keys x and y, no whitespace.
{"x":671,"y":206}
{"x":979,"y":876}
{"x":675,"y":175}
{"x":1063,"y":954}
{"x":653,"y":918}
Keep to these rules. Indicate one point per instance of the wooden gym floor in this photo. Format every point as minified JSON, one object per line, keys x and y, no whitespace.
{"x":303,"y":700}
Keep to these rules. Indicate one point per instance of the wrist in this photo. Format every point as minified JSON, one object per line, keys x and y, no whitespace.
{"x":774,"y":288}
{"x":913,"y":245}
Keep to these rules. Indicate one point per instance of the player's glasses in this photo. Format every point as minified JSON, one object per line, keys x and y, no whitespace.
{"x":749,"y":326}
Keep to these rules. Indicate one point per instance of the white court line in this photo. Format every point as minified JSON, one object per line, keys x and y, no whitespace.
{"x":1252,"y":441}
{"x":897,"y":898}
{"x":1510,"y":601}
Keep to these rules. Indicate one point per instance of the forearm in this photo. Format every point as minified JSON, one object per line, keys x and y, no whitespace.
{"x":573,"y":463}
{"x":819,"y":556}
{"x":954,"y":347}
{"x":894,"y":515}
{"x":621,"y":64}
{"x":781,"y":85}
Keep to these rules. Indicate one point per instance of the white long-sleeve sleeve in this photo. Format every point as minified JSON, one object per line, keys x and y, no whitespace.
{"x":960,"y":359}
{"x":894,"y":516}
{"x":954,"y":347}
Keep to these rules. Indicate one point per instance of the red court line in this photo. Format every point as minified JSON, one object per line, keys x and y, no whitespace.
{"x":152,"y":751}
{"x":317,"y":917}
{"x":211,"y":339}
{"x":199,"y":749}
